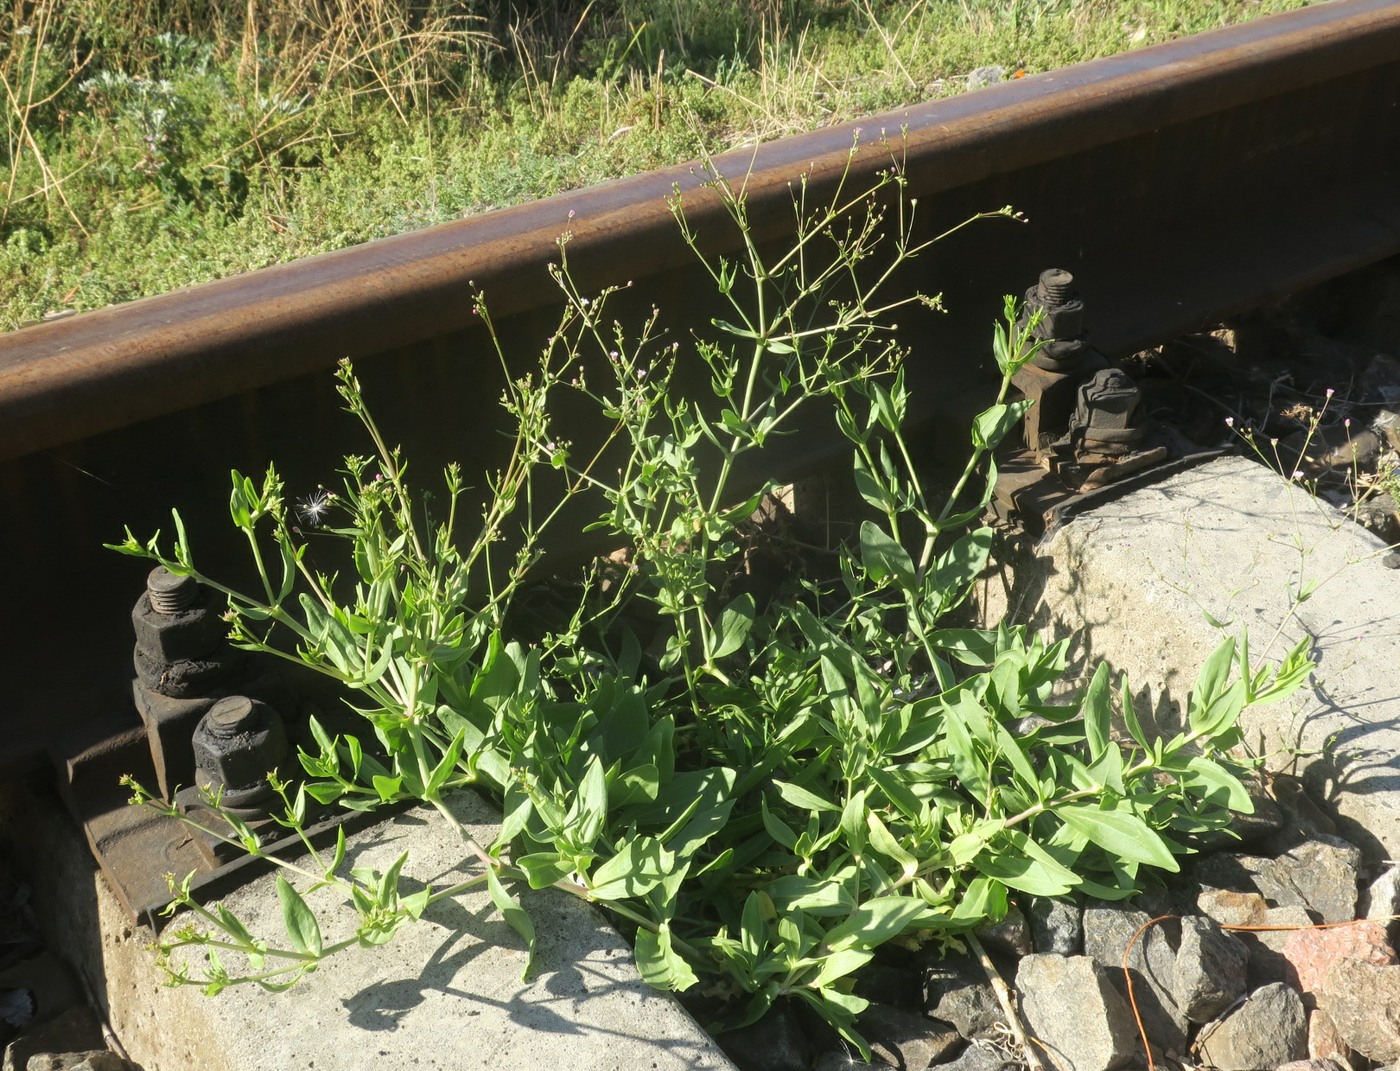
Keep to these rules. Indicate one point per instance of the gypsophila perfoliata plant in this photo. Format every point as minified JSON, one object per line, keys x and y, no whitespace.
{"x":762,"y":785}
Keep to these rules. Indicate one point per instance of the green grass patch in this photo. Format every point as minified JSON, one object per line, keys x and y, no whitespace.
{"x":154,"y":145}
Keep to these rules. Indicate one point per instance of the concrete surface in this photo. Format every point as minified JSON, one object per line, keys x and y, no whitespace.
{"x":1142,"y":580}
{"x":445,"y":993}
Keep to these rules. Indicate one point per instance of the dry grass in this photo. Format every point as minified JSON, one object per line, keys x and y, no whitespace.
{"x":28,"y":90}
{"x":156,"y":143}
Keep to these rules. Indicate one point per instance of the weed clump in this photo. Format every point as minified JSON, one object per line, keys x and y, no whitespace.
{"x":762,"y":790}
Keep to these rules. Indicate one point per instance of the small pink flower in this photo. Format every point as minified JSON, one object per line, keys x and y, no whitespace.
{"x":1229,"y":422}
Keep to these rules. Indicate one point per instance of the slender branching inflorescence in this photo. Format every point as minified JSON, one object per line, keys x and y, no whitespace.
{"x":763,"y":789}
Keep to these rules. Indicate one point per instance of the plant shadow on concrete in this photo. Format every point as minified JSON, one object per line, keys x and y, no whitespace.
{"x":762,"y":783}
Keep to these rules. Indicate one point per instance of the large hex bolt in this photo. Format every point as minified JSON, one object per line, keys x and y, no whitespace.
{"x":236,"y":745}
{"x":182,"y":664}
{"x":1065,"y":359}
{"x":1061,"y":308}
{"x":177,"y":619}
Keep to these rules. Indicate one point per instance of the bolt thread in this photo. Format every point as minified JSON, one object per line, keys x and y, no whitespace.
{"x":1055,"y":287}
{"x":168,"y":593}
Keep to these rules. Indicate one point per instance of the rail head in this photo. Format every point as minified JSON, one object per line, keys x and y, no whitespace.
{"x":73,"y":378}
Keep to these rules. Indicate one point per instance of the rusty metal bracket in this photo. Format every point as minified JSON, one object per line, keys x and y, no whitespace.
{"x":202,"y":714}
{"x":136,"y":847}
{"x":1086,"y":429}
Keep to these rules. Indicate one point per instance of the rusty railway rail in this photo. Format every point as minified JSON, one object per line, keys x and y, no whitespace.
{"x":1180,"y":184}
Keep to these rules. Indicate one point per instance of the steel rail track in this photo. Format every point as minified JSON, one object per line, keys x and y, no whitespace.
{"x":1179,"y":183}
{"x":1246,"y":105}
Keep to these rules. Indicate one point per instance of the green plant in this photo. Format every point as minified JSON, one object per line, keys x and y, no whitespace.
{"x":762,"y":786}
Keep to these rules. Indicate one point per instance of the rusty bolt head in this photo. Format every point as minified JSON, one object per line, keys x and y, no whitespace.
{"x":192,"y":632}
{"x":238,"y":742}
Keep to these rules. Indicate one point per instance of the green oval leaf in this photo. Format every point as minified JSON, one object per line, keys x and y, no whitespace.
{"x":1118,"y":832}
{"x":302,"y":928}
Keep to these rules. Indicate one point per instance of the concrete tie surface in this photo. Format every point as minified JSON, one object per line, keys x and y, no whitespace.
{"x":445,"y":993}
{"x":1155,"y":580}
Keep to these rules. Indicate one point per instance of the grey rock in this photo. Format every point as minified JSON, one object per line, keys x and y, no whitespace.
{"x":105,"y":1061}
{"x":97,"y":1060}
{"x":1211,"y":969}
{"x":1363,"y":1002}
{"x":1074,"y":1010}
{"x":973,"y":1009}
{"x":1319,"y":874}
{"x":49,"y":978}
{"x":1268,"y":1029}
{"x":1056,"y":926}
{"x":976,"y":1057}
{"x":1311,"y":1065}
{"x":17,"y":1010}
{"x":1266,"y":961}
{"x":1324,"y":1043}
{"x":944,"y":975}
{"x":1234,"y":872}
{"x":1111,"y":931}
{"x":1231,"y":908}
{"x":1302,"y":813}
{"x":985,"y":76}
{"x":1011,"y":935}
{"x":904,"y":1039}
{"x":954,"y":975}
{"x":1322,"y":873}
{"x":74,"y":1030}
{"x":1381,"y":898}
{"x":880,"y":983}
{"x":842,"y":1061}
{"x":956,"y":990}
{"x":777,"y":1042}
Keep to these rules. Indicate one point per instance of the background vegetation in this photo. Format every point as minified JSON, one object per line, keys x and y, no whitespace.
{"x":150,"y":144}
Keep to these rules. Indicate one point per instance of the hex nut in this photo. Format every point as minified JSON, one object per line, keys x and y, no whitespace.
{"x":190,"y":677}
{"x":190,"y":634}
{"x":238,"y":742}
{"x":1062,"y":355}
